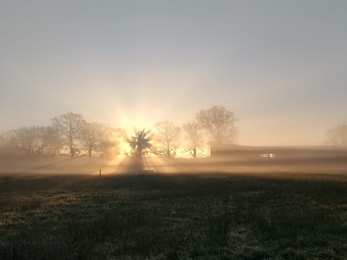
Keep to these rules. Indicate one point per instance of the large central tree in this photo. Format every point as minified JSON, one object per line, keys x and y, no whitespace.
{"x":140,"y":142}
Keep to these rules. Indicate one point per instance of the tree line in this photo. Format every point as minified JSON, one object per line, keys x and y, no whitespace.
{"x":71,"y":135}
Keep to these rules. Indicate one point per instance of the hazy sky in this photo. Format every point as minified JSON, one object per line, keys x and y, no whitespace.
{"x":280,"y":66}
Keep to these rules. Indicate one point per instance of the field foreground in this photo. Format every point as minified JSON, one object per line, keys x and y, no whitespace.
{"x":221,"y":216}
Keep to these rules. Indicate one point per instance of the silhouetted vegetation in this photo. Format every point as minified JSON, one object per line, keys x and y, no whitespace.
{"x":140,"y":142}
{"x":220,"y":123}
{"x":337,"y":135}
{"x":71,"y":135}
{"x":174,"y":217}
{"x":70,"y":126}
{"x":35,"y":140}
{"x":167,"y":138}
{"x":195,"y":138}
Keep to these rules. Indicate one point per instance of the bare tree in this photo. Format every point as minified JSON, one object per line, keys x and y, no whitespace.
{"x":168,"y":138}
{"x":194,"y":136}
{"x":35,"y":140}
{"x":220,"y":123}
{"x":69,"y":125}
{"x":91,"y":136}
{"x":337,"y":135}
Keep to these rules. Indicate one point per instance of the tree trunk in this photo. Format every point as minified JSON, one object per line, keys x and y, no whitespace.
{"x":72,"y":150}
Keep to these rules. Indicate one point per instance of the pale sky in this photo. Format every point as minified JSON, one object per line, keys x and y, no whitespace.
{"x":279,"y":65}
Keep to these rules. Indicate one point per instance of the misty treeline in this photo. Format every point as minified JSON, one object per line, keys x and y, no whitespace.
{"x":337,"y":135}
{"x":71,"y":135}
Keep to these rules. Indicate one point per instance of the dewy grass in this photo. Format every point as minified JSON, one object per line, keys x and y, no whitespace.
{"x":286,"y":216}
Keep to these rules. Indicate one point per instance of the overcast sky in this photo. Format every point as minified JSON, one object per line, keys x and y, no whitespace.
{"x":280,"y":66}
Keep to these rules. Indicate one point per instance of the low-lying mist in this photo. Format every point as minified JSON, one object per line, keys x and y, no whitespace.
{"x":147,"y":165}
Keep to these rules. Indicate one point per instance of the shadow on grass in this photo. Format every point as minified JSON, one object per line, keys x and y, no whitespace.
{"x":240,"y":216}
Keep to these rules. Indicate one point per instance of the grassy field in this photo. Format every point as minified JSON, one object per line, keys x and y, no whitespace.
{"x":273,"y":216}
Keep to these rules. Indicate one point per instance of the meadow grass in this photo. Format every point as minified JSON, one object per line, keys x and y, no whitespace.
{"x":221,"y":216}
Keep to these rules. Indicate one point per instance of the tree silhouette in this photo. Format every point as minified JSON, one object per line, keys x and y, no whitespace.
{"x":34,"y":140}
{"x":168,"y":138}
{"x":220,"y":123}
{"x":69,"y":126}
{"x":92,"y":136}
{"x":337,"y":135}
{"x":194,"y":136}
{"x":140,"y":142}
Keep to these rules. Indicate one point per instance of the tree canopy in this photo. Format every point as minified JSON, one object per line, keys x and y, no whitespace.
{"x":140,"y":142}
{"x":220,"y":123}
{"x":337,"y":135}
{"x":168,"y":138}
{"x":71,"y":135}
{"x":70,"y":125}
{"x":194,"y":137}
